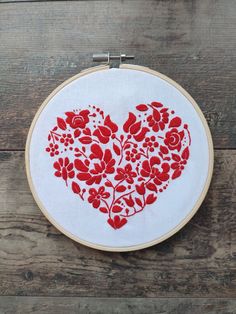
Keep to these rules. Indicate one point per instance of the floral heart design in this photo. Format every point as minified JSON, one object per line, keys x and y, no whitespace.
{"x":119,"y":170}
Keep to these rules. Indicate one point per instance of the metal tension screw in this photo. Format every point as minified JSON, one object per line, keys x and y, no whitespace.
{"x":107,"y":57}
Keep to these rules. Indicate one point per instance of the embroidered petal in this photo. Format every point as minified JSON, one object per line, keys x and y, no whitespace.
{"x":83,"y":176}
{"x":79,"y":165}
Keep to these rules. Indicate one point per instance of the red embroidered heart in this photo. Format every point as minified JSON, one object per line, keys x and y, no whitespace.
{"x":119,"y":172}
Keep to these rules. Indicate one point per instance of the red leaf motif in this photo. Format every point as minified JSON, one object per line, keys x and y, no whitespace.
{"x":135,"y":127}
{"x":185,"y":154}
{"x":108,"y":184}
{"x":83,"y":176}
{"x":77,"y":133}
{"x":79,"y":165}
{"x":142,"y":107}
{"x":151,"y":187}
{"x":175,"y":122}
{"x":127,"y":146}
{"x":131,"y":120}
{"x":175,"y":165}
{"x":163,"y":110}
{"x":121,"y":188}
{"x":176,"y":174}
{"x":75,"y":187}
{"x":116,"y":209}
{"x":138,"y":201}
{"x":156,"y":115}
{"x":156,"y":104}
{"x":85,"y":140}
{"x":116,"y":149}
{"x":164,"y":149}
{"x":150,"y":199}
{"x":175,"y":157}
{"x":103,"y":210}
{"x":61,"y":124}
{"x":163,"y":177}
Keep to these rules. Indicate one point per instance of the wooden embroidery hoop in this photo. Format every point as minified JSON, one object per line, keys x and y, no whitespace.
{"x":190,"y":214}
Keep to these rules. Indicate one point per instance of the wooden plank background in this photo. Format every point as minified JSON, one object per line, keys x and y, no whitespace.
{"x":41,"y":45}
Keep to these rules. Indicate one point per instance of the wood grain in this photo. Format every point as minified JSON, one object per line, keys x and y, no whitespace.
{"x":36,"y":260}
{"x":42,"y":44}
{"x":49,"y":305}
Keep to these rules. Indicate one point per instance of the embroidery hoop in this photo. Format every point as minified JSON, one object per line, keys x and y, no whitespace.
{"x":172,"y":231}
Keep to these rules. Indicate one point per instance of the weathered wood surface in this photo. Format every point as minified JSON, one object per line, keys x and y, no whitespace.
{"x":37,"y":305}
{"x":44,"y":43}
{"x":37,"y":260}
{"x":41,"y":45}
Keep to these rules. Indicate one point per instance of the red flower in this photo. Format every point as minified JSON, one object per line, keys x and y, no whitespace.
{"x":77,"y":120}
{"x":173,"y":139}
{"x":135,"y":128}
{"x":117,"y":222}
{"x":158,"y":119}
{"x":126,"y":174}
{"x":97,"y":195}
{"x":64,"y":169}
{"x":150,"y":170}
{"x":177,"y":166}
{"x":103,"y":133}
{"x":105,"y":166}
{"x":179,"y":163}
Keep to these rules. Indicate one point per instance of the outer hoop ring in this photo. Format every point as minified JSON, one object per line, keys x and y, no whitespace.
{"x":183,"y":222}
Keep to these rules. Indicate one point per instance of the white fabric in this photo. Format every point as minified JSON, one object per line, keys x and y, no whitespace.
{"x":118,"y":91}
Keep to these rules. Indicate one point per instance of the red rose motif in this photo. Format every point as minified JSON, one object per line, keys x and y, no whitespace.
{"x":97,"y":195}
{"x":126,"y":174}
{"x":173,"y":139}
{"x":64,"y":169}
{"x":78,"y":120}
